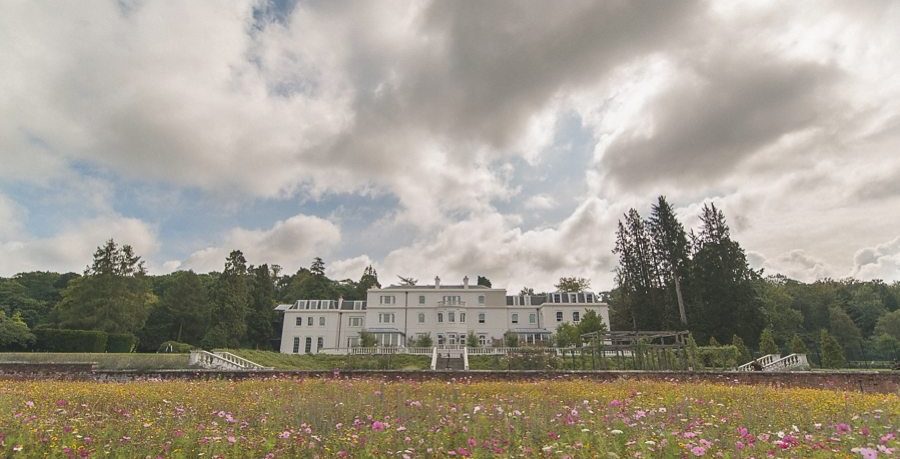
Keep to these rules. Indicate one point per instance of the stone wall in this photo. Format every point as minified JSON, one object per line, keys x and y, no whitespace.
{"x":864,"y":381}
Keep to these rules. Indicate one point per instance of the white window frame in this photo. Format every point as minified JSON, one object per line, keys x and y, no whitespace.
{"x":322,"y":321}
{"x":421,"y":317}
{"x":299,"y":321}
{"x":576,"y":316}
{"x":462,"y":317}
{"x":559,"y":316}
{"x":320,"y":343}
{"x":480,"y":299}
{"x":482,"y":340}
{"x":309,"y":321}
{"x":296,"y":348}
{"x":515,"y":318}
{"x":532,"y":318}
{"x":421,"y":299}
{"x":451,"y":317}
{"x":481,"y":317}
{"x":307,"y":346}
{"x":388,"y":299}
{"x":440,"y":317}
{"x":356,"y":321}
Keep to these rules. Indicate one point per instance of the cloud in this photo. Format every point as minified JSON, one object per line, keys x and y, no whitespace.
{"x":72,"y":248}
{"x":348,"y":268}
{"x":795,"y":264}
{"x":540,"y":202}
{"x":493,"y":245}
{"x":879,"y":262}
{"x":291,"y":243}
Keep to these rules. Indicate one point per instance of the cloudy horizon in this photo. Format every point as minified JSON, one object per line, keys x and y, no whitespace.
{"x":502,"y":139}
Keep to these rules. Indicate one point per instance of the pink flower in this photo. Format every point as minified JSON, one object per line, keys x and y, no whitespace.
{"x":866,"y":453}
{"x":698,"y":451}
{"x":842,"y":428}
{"x":378,"y":426}
{"x":615,"y":403}
{"x":471,"y":442}
{"x":231,"y":439}
{"x":739,"y":445}
{"x":285,"y":434}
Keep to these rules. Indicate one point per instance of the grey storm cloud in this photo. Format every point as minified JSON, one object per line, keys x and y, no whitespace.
{"x":720,"y":112}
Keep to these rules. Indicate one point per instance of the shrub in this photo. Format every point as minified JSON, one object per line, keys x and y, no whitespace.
{"x":121,"y":342}
{"x":55,"y":340}
{"x":174,"y":347}
{"x":832,"y":353}
{"x":767,"y":343}
{"x":719,"y":356}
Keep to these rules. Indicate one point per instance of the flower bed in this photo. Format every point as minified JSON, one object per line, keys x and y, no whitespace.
{"x":375,"y":417}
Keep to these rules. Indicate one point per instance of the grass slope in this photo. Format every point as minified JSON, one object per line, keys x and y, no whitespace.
{"x":281,"y":361}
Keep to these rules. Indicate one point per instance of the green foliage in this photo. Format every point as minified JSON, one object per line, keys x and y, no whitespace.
{"x":57,"y":340}
{"x":590,"y":323}
{"x":832,"y":355}
{"x":121,"y":342}
{"x":727,"y":356}
{"x":113,"y":296}
{"x":511,"y":339}
{"x":885,"y":347}
{"x":231,"y":305}
{"x":423,"y":341}
{"x":174,"y":347}
{"x":845,"y":331}
{"x":484,"y":281}
{"x":767,"y":343}
{"x":798,"y":346}
{"x":567,"y":335}
{"x":14,"y":333}
{"x":713,"y":342}
{"x":472,"y":340}
{"x":262,"y":308}
{"x":182,"y":314}
{"x":530,"y":359}
{"x":692,"y":352}
{"x":889,"y":324}
{"x":744,"y":354}
{"x":573,"y":284}
{"x":367,"y":339}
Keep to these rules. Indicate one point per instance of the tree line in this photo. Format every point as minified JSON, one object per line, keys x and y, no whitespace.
{"x":669,"y":278}
{"x":115,"y":295}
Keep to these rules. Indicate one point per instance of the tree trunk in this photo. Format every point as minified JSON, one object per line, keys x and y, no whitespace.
{"x":680,"y":300}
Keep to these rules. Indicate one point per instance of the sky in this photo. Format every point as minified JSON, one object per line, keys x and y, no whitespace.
{"x":501,"y":138}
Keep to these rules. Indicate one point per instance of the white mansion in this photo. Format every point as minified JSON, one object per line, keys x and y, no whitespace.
{"x":447,"y":313}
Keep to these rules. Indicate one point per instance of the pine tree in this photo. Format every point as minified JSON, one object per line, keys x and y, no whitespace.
{"x":317,"y":267}
{"x":232,"y":304}
{"x":798,"y":346}
{"x":831,"y":352}
{"x":671,"y":249}
{"x":368,"y":280}
{"x":767,"y":343}
{"x":262,"y":313}
{"x":113,"y":295}
{"x":743,"y":351}
{"x":484,"y":281}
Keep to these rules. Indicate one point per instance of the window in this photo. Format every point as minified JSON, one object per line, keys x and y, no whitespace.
{"x":321,"y":321}
{"x":440,"y":317}
{"x":309,"y":321}
{"x":388,"y":299}
{"x":421,"y":299}
{"x":480,"y":299}
{"x":532,"y":318}
{"x":452,"y":299}
{"x":559,"y":316}
{"x":353,"y":341}
{"x":451,"y":317}
{"x":452,"y":338}
{"x":482,"y":340}
{"x":576,"y":316}
{"x":462,"y":317}
{"x":296,"y":345}
{"x":515,"y":318}
{"x":440,"y":339}
{"x":481,"y":317}
{"x":356,"y":321}
{"x":313,"y":305}
{"x":386,"y":318}
{"x":320,"y":343}
{"x":299,"y":321}
{"x":308,"y":347}
{"x":421,"y":317}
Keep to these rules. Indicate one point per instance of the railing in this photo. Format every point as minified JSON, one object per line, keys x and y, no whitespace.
{"x":434,"y":357}
{"x":489,"y":350}
{"x":791,"y":362}
{"x":451,"y":304}
{"x":222,"y":361}
{"x":762,"y":361}
{"x":240,"y":361}
{"x":453,"y":347}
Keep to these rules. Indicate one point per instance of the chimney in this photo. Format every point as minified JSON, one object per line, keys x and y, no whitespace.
{"x":437,"y":282}
{"x":466,"y":282}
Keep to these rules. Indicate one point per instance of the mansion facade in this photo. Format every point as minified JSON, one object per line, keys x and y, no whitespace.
{"x":398,"y":315}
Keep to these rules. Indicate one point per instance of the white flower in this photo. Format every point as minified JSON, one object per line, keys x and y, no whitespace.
{"x":616,"y":431}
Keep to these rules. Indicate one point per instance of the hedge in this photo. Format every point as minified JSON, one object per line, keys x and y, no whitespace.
{"x":719,"y":356}
{"x":121,"y":342}
{"x":55,"y":340}
{"x":175,"y":347}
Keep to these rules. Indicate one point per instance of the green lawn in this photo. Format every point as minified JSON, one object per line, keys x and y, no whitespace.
{"x":110,"y":361}
{"x":281,"y":361}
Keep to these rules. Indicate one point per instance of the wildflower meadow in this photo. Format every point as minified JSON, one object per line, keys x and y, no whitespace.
{"x":405,"y":419}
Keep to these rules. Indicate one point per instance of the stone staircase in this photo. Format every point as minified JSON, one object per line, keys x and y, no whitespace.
{"x":775,"y":362}
{"x":222,"y":360}
{"x":453,"y":361}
